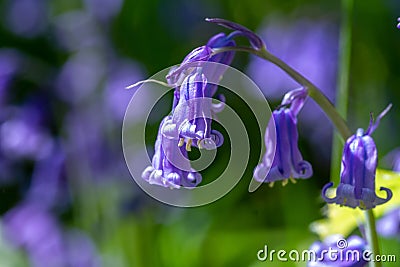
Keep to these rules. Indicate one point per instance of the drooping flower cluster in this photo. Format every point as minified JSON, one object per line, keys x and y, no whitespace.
{"x":287,"y":162}
{"x":357,"y":176}
{"x":189,"y":123}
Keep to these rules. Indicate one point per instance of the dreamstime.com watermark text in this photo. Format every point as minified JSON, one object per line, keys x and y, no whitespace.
{"x":331,"y":254}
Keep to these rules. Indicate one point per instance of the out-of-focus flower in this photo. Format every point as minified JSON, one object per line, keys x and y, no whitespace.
{"x":10,"y":60}
{"x":48,"y":186}
{"x":80,"y":250}
{"x":389,"y":224}
{"x":22,"y":135}
{"x":104,"y":9}
{"x":398,"y":24}
{"x":346,"y":253}
{"x":33,"y":228}
{"x":392,"y":160}
{"x":116,"y":98}
{"x":89,"y":154}
{"x":287,"y":162}
{"x":396,"y":164}
{"x":357,"y":176}
{"x":80,"y":76}
{"x":170,"y":165}
{"x":76,"y":30}
{"x":27,"y":18}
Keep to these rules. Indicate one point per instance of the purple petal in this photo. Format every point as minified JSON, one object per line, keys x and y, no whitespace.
{"x":254,"y":39}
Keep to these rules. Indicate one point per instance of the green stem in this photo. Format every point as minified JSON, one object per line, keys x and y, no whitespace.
{"x":341,"y":106}
{"x":342,"y":91}
{"x":329,"y":110}
{"x":313,"y":91}
{"x":372,"y":237}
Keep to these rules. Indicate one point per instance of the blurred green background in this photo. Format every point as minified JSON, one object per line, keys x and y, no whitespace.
{"x":63,"y":68}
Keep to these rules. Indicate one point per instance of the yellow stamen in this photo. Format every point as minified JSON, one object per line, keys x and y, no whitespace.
{"x":199,"y":144}
{"x":285,"y":182}
{"x":189,"y":145}
{"x":271,"y":184}
{"x":181,"y":142}
{"x":292,"y":180}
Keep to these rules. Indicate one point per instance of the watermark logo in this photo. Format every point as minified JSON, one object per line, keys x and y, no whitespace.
{"x":236,"y":135}
{"x":341,"y":253}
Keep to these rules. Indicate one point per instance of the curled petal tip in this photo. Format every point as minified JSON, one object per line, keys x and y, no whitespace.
{"x":217,"y":137}
{"x":304,"y":169}
{"x":324,"y":189}
{"x":193,"y":179}
{"x":389,"y":194}
{"x":147,"y":172}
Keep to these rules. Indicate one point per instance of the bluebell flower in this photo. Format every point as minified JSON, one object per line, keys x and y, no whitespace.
{"x":357,"y":176}
{"x":196,"y":83}
{"x":170,"y":165}
{"x":191,"y":118}
{"x":347,"y":253}
{"x":287,"y":162}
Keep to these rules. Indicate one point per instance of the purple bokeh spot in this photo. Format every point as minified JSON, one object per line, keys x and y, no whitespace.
{"x":76,"y":30}
{"x":389,"y":225}
{"x":27,"y":18}
{"x":80,"y":76}
{"x":22,"y":136}
{"x":33,"y":228}
{"x":104,"y":9}
{"x":10,"y":61}
{"x":116,"y":97}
